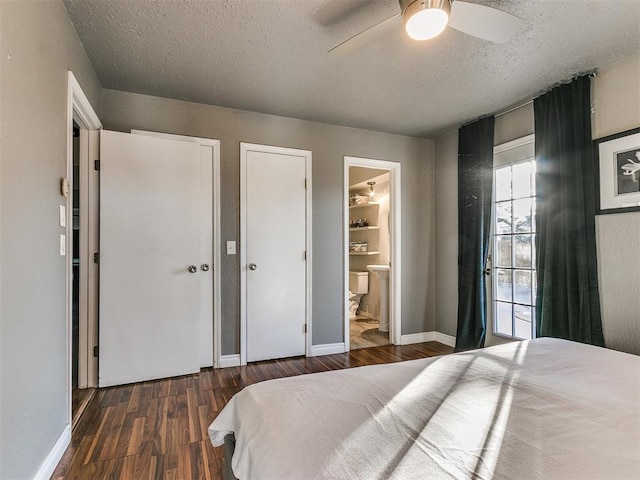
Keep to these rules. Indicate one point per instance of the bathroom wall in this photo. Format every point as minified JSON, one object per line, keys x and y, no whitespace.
{"x":379,"y":240}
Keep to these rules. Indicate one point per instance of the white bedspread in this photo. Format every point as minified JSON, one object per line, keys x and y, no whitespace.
{"x":543,"y":409}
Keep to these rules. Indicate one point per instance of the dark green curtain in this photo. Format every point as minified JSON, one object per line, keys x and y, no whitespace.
{"x":568,"y":301}
{"x":475,"y":181}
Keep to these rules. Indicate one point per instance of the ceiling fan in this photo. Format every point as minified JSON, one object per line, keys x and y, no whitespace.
{"x":426,"y":19}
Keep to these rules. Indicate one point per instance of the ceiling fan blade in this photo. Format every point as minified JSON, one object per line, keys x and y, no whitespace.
{"x":484,"y":22}
{"x":366,"y":36}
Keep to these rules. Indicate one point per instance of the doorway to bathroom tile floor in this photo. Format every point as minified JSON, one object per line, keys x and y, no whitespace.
{"x":363,"y":333}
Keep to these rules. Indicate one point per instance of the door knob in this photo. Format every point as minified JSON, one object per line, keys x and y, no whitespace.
{"x":252,"y":266}
{"x":192,"y":268}
{"x":204,"y":267}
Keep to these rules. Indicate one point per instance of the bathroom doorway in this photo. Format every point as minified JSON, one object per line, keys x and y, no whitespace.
{"x":372,"y":252}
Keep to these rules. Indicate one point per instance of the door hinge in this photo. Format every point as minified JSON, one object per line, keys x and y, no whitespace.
{"x":305,"y":183}
{"x":96,"y":257}
{"x":304,"y":328}
{"x":305,"y":255}
{"x":95,"y":351}
{"x":96,"y":165}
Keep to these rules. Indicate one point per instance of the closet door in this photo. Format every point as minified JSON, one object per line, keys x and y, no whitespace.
{"x":149,"y":257}
{"x":275,"y":267}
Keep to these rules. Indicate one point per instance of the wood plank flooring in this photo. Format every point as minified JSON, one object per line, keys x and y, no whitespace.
{"x":158,"y":430}
{"x":80,"y":399}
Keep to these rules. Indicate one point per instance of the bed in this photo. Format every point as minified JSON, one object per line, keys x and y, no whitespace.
{"x":539,"y":409}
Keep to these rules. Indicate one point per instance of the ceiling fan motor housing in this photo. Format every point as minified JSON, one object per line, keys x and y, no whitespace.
{"x":416,"y":5}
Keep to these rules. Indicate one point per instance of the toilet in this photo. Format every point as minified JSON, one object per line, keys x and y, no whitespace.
{"x":358,"y":286}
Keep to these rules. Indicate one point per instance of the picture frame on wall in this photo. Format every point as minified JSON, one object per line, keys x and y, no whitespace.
{"x":618,"y":172}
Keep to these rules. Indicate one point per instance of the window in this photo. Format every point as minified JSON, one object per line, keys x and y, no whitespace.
{"x":513,"y":239}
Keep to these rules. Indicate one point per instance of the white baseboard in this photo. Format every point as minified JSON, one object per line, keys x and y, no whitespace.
{"x":51,"y":462}
{"x":229,"y":361}
{"x":416,"y":338}
{"x":428,"y":337}
{"x":445,"y":339}
{"x":326,"y":349}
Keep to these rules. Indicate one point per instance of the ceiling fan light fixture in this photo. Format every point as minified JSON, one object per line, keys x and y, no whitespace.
{"x":425,"y":19}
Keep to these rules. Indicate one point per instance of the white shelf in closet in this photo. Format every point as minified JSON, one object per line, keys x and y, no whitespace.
{"x":370,"y":227}
{"x":364,"y":253}
{"x":360,"y":205}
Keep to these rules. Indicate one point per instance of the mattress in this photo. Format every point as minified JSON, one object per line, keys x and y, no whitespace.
{"x":539,"y":409}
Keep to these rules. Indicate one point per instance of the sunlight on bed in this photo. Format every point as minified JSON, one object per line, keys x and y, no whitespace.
{"x":461,"y":437}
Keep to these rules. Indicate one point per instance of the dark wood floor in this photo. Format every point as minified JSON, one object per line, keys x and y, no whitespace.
{"x":158,"y":429}
{"x":80,"y":398}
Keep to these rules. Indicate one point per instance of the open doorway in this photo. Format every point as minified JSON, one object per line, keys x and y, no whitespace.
{"x":372,"y":253}
{"x":81,"y":241}
{"x":80,"y":397}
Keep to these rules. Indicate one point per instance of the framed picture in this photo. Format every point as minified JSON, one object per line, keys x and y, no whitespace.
{"x":618,"y":172}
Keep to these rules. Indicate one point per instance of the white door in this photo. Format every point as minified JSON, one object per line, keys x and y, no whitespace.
{"x":149,"y":237}
{"x":209,"y":157}
{"x":275,"y":266}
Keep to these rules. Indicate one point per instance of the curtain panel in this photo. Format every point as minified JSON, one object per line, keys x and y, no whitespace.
{"x":568,"y":301}
{"x":475,"y":182}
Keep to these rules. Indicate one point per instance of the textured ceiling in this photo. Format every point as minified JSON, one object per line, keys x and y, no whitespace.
{"x":270,"y":56}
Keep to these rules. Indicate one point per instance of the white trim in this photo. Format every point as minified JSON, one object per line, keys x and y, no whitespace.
{"x":91,"y":231}
{"x":518,"y":142}
{"x":423,"y":337}
{"x":243,"y":255}
{"x":55,"y":454}
{"x":217,"y":260}
{"x":227,"y":361}
{"x":417,"y":338}
{"x":444,"y":339}
{"x":326,"y":349}
{"x":307,"y":154}
{"x":80,"y":109}
{"x":395,"y":231}
{"x":521,"y":150}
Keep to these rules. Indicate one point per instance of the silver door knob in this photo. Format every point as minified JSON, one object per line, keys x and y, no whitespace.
{"x":252,"y":266}
{"x":204,"y":267}
{"x":192,"y":268}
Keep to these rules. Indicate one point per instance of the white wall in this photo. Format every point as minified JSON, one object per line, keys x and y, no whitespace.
{"x":616,"y":100}
{"x":38,"y":46}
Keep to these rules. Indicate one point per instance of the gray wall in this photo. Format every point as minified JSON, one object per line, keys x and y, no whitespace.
{"x":38,"y":46}
{"x":616,"y":100}
{"x":126,"y":111}
{"x":447,"y":233}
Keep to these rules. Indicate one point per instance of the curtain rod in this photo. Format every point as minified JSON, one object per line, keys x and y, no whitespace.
{"x":511,"y":109}
{"x":591,"y":74}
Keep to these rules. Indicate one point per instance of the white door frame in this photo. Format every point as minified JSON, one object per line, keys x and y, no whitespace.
{"x":217,"y":264}
{"x":244,"y":149}
{"x":80,"y":109}
{"x":395,"y":231}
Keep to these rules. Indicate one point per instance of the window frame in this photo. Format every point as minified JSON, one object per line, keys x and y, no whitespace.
{"x":508,"y":154}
